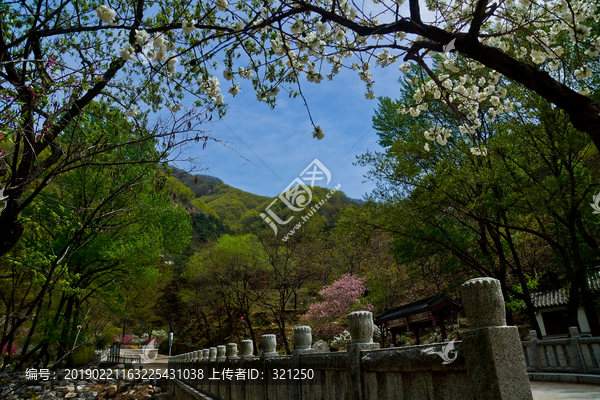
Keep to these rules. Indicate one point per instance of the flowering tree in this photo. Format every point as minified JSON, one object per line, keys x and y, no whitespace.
{"x":13,"y":349}
{"x":127,"y":339}
{"x":58,"y":56}
{"x":327,"y":318}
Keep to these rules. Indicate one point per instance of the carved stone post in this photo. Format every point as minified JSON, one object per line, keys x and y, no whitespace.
{"x":231,"y":351}
{"x":205,"y":354}
{"x":575,"y":353}
{"x":303,"y":338}
{"x":493,"y":351}
{"x":221,"y":352}
{"x":269,"y":345}
{"x":212,"y":354}
{"x":247,"y":348}
{"x":360,"y":326}
{"x":533,"y":352}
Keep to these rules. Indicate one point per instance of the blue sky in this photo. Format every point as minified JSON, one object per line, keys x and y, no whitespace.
{"x":278,"y":144}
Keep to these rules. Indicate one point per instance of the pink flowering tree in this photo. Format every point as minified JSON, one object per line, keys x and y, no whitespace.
{"x":328,"y":318}
{"x":13,"y":349}
{"x":127,"y":339}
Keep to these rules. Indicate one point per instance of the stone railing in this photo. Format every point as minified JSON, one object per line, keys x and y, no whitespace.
{"x":100,"y":355}
{"x":575,"y":354}
{"x":487,"y":364}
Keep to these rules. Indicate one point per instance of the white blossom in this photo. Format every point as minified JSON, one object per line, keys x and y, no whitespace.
{"x":584,"y":91}
{"x":210,"y":86}
{"x":132,"y":112}
{"x":495,"y":100}
{"x":370,"y":95}
{"x":235,"y":90}
{"x":238,"y":26}
{"x":227,"y":74}
{"x":476,"y":151}
{"x":274,"y":91}
{"x":175,"y":107}
{"x":106,"y":14}
{"x":159,"y":41}
{"x":171,"y":63}
{"x":429,"y":135}
{"x":245,"y":73}
{"x":318,"y":133}
{"x":141,"y":36}
{"x":538,"y":57}
{"x":297,"y":27}
{"x":321,"y":27}
{"x":127,"y":53}
{"x":583,"y":72}
{"x":188,"y":26}
{"x":426,"y":147}
{"x":222,"y":5}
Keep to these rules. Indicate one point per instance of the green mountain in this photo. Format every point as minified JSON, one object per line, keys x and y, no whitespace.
{"x":236,"y":209}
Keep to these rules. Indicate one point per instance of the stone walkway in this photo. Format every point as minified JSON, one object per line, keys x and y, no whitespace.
{"x":564,"y":391}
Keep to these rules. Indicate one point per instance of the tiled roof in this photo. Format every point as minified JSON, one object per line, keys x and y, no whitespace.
{"x":560,"y":297}
{"x":415,"y":307}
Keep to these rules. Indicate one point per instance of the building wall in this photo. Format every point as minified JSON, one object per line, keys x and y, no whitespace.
{"x":581,"y":318}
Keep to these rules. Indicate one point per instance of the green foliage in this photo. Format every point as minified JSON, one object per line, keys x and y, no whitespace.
{"x":82,"y":356}
{"x":98,"y":230}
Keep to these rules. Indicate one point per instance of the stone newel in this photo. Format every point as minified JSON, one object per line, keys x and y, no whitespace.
{"x":247,"y":348}
{"x":221,"y":352}
{"x":360,"y":326}
{"x":205,"y":354}
{"x":269,"y":344}
{"x":303,"y":338}
{"x":231,"y":351}
{"x":212,"y":354}
{"x":493,"y":351}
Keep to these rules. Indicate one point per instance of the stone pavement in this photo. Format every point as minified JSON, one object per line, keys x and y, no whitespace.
{"x":564,"y":391}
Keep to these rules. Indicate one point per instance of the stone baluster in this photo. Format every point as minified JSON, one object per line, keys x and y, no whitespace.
{"x":231,"y":351}
{"x":303,"y":338}
{"x":493,"y":351}
{"x":269,"y":345}
{"x":221,"y":352}
{"x":205,"y":354}
{"x":212,"y":353}
{"x":200,"y":355}
{"x":247,"y":348}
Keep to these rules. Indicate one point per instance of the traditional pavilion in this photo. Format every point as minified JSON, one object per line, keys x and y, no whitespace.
{"x":438,"y":310}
